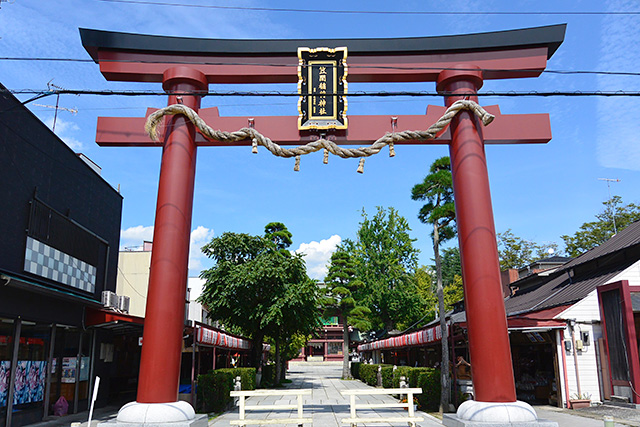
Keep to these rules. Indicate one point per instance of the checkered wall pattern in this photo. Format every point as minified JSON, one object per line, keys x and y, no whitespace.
{"x":50,"y":263}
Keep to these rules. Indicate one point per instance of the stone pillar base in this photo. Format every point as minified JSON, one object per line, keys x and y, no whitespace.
{"x":499,"y":414}
{"x":173,"y":414}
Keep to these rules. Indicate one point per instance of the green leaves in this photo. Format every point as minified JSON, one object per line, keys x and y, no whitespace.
{"x":437,"y":190}
{"x":592,"y":234}
{"x":385,"y":260}
{"x":341,"y":283}
{"x":278,"y":233}
{"x":516,"y":252}
{"x":258,"y":286}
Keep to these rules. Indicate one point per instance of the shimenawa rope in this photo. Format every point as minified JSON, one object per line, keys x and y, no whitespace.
{"x":257,"y":138}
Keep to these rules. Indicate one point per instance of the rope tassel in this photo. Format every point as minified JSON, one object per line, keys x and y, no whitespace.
{"x":254,"y":146}
{"x":326,"y":156}
{"x":361,"y":165}
{"x":296,"y":168}
{"x":392,"y":150}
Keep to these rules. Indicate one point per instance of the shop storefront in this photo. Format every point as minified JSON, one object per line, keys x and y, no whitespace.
{"x":44,"y":370}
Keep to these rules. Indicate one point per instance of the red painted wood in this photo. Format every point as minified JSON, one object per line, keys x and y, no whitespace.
{"x":98,"y":317}
{"x":363,"y":130}
{"x":629,"y":334}
{"x":164,"y":318}
{"x":486,"y":316}
{"x":146,"y":67}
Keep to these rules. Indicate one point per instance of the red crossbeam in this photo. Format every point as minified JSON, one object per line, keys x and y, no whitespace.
{"x":148,"y":67}
{"x":363,"y":130}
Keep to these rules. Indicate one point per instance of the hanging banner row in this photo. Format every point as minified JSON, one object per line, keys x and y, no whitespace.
{"x":415,"y":338}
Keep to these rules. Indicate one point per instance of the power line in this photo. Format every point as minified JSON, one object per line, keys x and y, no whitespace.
{"x":275,"y":64}
{"x":371,"y":12}
{"x":41,"y":94}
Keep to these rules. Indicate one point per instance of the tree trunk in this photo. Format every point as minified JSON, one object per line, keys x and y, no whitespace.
{"x":278,"y":364}
{"x":444,"y":365}
{"x":256,"y":351}
{"x":346,"y":372}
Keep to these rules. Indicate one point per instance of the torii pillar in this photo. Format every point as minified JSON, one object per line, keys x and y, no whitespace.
{"x":458,"y":64}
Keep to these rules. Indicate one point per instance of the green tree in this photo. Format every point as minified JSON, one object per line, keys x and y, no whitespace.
{"x":450,"y":264}
{"x":257,"y":289}
{"x":278,"y":233}
{"x":293,"y":315}
{"x":424,"y":278}
{"x":439,"y":211}
{"x":453,"y":292}
{"x":591,"y":234}
{"x":341,"y":284}
{"x":385,"y":261}
{"x":516,"y":252}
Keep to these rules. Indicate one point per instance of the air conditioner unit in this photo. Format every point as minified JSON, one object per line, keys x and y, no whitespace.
{"x":123,"y":303}
{"x":109,"y":299}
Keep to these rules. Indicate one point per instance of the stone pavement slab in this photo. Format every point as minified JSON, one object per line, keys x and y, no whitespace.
{"x":579,"y":418}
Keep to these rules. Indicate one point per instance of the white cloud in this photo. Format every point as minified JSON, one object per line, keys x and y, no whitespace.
{"x":133,"y":237}
{"x":318,"y":254}
{"x":199,"y":237}
{"x":64,"y":130}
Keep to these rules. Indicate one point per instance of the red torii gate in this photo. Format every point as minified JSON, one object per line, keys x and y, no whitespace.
{"x":458,"y":64}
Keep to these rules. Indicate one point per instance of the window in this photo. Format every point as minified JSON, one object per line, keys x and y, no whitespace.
{"x":335,"y":348}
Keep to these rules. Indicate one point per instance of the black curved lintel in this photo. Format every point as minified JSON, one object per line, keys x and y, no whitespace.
{"x":550,"y":36}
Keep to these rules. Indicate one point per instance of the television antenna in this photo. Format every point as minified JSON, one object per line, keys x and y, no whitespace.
{"x":609,"y":181}
{"x":55,"y":88}
{"x":71,"y":110}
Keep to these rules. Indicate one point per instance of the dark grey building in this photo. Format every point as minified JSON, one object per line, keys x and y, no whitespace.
{"x":59,"y":237}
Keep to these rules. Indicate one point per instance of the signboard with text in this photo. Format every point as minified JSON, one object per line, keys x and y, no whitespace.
{"x":322,"y":85}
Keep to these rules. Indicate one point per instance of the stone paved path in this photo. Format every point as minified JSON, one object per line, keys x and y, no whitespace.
{"x":325,"y":405}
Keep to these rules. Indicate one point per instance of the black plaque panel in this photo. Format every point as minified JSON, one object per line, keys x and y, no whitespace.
{"x":322,"y":84}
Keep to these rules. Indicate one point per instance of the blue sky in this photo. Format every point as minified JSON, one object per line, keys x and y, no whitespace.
{"x":540,"y":192}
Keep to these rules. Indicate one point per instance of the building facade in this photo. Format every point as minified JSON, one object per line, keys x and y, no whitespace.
{"x":573,"y":330}
{"x":60,"y":227}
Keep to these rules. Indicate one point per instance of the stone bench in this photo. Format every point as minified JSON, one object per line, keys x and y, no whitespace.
{"x":411,"y":418}
{"x":242,"y":395}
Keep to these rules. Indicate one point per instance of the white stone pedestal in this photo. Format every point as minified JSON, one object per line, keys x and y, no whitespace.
{"x":499,"y":414}
{"x":174,"y":414}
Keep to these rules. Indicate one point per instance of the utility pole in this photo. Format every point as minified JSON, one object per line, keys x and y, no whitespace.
{"x":609,"y":181}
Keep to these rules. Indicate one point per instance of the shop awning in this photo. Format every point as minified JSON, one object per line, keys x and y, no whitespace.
{"x":538,"y":320}
{"x":116,"y":322}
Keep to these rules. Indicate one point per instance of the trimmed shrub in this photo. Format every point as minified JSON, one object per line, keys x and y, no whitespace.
{"x":268,"y":375}
{"x":369,"y":374}
{"x":401,"y":371}
{"x":429,"y":382}
{"x":387,"y":376}
{"x":355,"y":370}
{"x":414,"y":373}
{"x":247,"y":376}
{"x":213,"y":391}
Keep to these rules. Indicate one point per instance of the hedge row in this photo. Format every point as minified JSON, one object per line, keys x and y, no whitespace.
{"x":428,"y":379}
{"x":214,"y":387}
{"x":247,"y":376}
